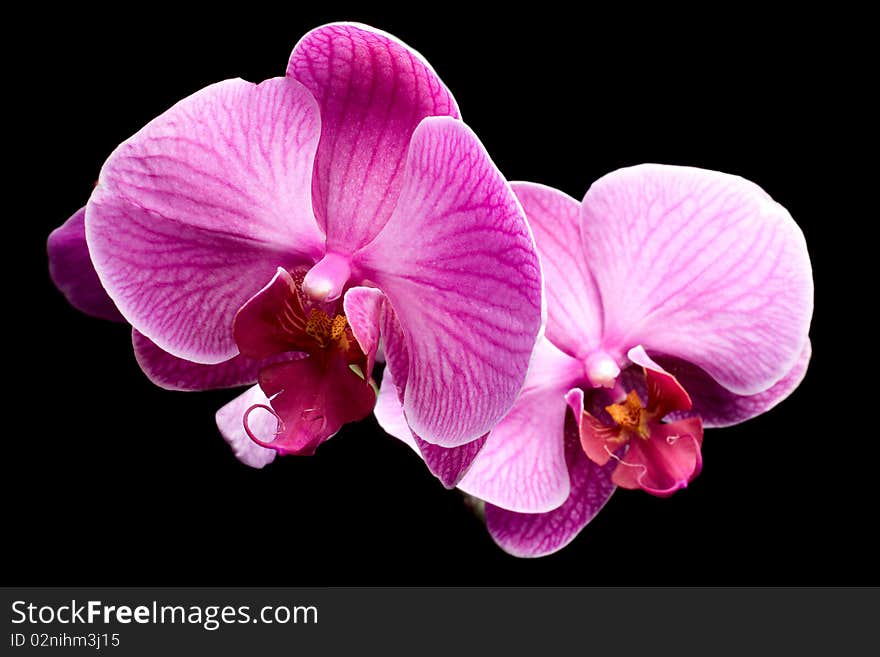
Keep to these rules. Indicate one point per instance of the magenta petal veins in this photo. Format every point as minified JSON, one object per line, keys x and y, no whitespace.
{"x":372,"y":91}
{"x":540,"y":534}
{"x":173,"y":373}
{"x":574,"y":317}
{"x":699,"y":265}
{"x":459,"y":268}
{"x":449,"y":465}
{"x":523,"y":466}
{"x":196,"y":211}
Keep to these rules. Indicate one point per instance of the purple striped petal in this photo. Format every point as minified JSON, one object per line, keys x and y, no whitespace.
{"x":449,"y":465}
{"x":194,"y":213}
{"x":373,"y":91}
{"x":231,"y":426}
{"x":522,"y":467}
{"x":371,"y":311}
{"x":699,"y":265}
{"x":458,"y":264}
{"x":540,"y":534}
{"x":389,"y":412}
{"x":574,"y":309}
{"x":71,"y":270}
{"x":717,"y":406}
{"x":173,"y":373}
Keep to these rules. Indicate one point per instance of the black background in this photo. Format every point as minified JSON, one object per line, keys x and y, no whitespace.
{"x":111,"y":481}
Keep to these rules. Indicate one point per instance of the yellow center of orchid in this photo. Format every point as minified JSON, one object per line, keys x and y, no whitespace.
{"x":630,"y":416}
{"x":325,"y":331}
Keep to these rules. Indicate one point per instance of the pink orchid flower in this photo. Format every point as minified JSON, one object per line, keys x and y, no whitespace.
{"x":699,"y":269}
{"x":274,"y":232}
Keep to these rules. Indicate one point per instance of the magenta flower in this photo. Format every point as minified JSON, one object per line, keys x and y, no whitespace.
{"x":274,"y":232}
{"x":699,"y":269}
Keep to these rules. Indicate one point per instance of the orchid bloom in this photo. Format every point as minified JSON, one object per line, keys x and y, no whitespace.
{"x":677,"y":299}
{"x":274,"y":232}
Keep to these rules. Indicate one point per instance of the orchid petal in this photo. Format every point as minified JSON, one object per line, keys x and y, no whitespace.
{"x":522,"y":467}
{"x":363,"y":306}
{"x":173,"y":373}
{"x":718,"y":407}
{"x":458,"y":264}
{"x":72,"y":272}
{"x":699,"y":265}
{"x":574,"y":309}
{"x":230,"y":423}
{"x":194,"y":213}
{"x":450,"y":464}
{"x":540,"y":534}
{"x":664,"y":462}
{"x":394,"y":348}
{"x":389,"y":412}
{"x":312,"y":398}
{"x":373,"y":91}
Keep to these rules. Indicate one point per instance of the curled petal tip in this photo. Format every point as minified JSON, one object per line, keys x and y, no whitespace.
{"x":247,"y":429}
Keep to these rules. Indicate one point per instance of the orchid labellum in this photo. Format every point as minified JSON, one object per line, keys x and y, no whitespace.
{"x":275,"y":232}
{"x":678,"y":299}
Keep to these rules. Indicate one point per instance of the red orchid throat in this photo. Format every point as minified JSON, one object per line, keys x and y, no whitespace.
{"x":657,"y":457}
{"x":314,"y":373}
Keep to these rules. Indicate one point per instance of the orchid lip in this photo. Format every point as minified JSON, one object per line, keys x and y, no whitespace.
{"x":660,"y":457}
{"x":326,"y":280}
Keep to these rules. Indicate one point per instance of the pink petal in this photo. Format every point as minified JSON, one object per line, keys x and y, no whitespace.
{"x":699,"y":265}
{"x":71,"y":270}
{"x":458,"y":265}
{"x":522,"y":467}
{"x":389,"y":412}
{"x":574,"y":309}
{"x":373,"y":91}
{"x":229,"y":421}
{"x":394,"y":348}
{"x":666,"y":461}
{"x":540,"y":534}
{"x":718,"y":407}
{"x":173,"y":373}
{"x":313,"y":397}
{"x":194,"y":213}
{"x":363,"y":306}
{"x":449,"y":464}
